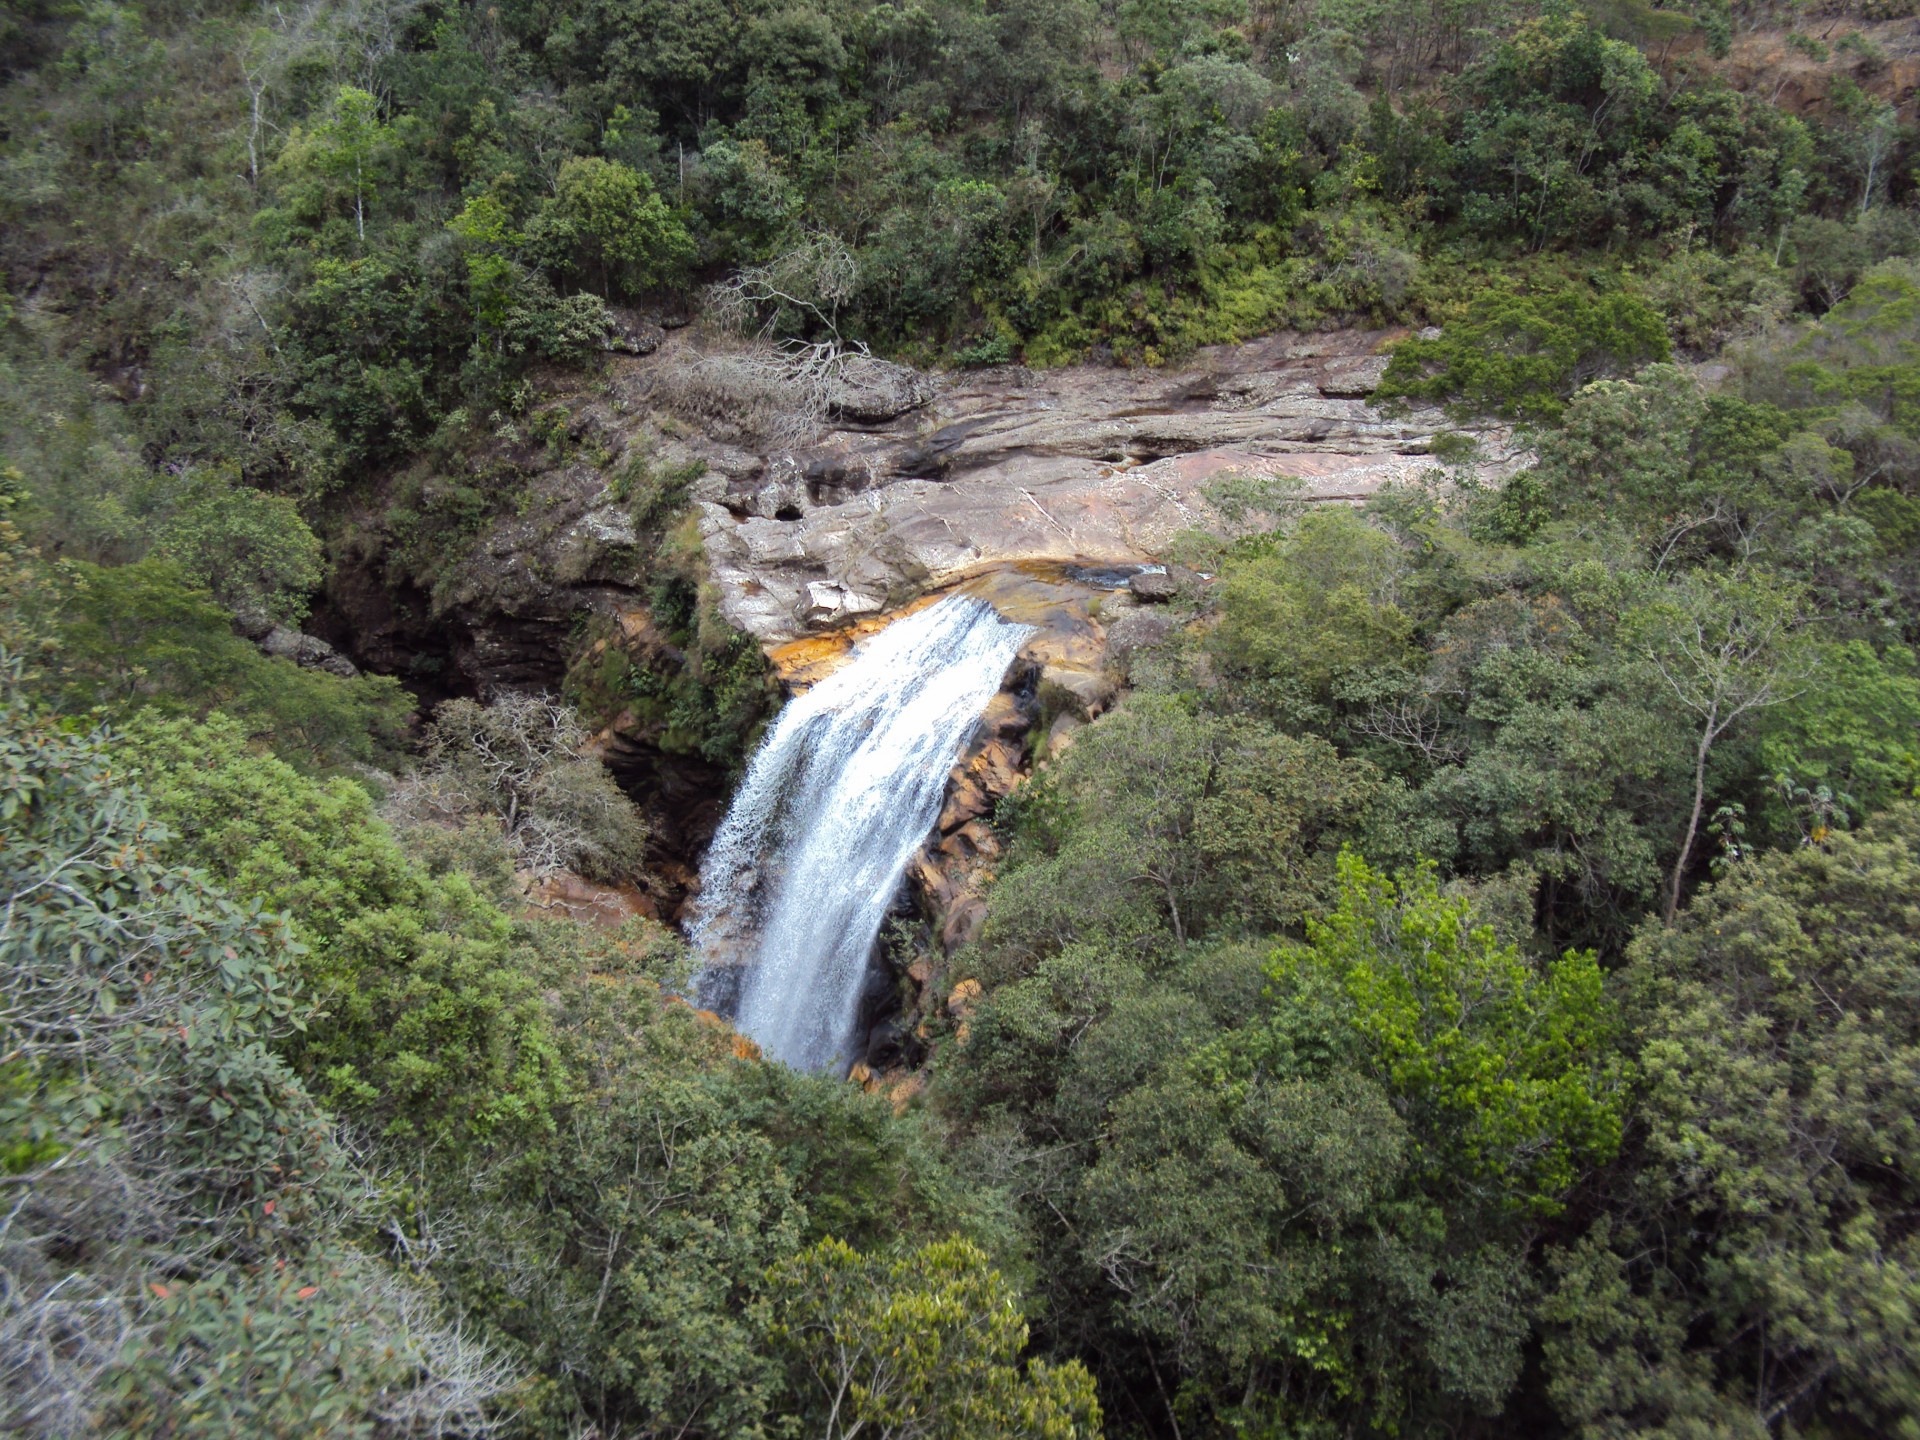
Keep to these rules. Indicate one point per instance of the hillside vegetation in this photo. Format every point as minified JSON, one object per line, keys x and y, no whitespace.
{"x":1469,"y":987}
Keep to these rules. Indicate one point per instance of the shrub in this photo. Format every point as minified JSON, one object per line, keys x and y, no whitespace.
{"x":1521,"y":354}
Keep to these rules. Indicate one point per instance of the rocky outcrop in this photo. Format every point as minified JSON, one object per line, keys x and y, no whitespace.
{"x":962,"y":473}
{"x":916,"y":482}
{"x":574,"y":897}
{"x":308,"y":651}
{"x":510,"y":605}
{"x":505,"y":603}
{"x":1883,"y":61}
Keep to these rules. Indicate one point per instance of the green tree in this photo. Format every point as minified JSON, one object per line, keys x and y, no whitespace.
{"x":143,"y":1012}
{"x":1316,"y":617}
{"x":1854,"y":728}
{"x":426,"y":1021}
{"x":630,"y":1259}
{"x":1523,"y":353}
{"x":926,"y":1345}
{"x":348,"y":152}
{"x":485,"y":228}
{"x":1722,"y":647}
{"x":1682,"y":472}
{"x":1161,"y":822}
{"x":251,"y":550}
{"x":605,"y":219}
{"x":1757,"y":1265}
{"x":1859,"y":365}
{"x":1302,"y":1185}
{"x":144,"y":637}
{"x":1502,"y":1069}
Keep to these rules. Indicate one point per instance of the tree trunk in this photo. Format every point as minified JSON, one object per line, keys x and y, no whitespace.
{"x":1693,"y":820}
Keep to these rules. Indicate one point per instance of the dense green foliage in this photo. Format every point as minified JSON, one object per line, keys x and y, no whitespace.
{"x":561,"y":1149}
{"x":1770,"y":1211}
{"x":1465,"y":988}
{"x":1311,"y":1146}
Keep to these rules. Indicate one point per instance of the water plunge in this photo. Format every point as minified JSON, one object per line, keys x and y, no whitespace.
{"x":840,"y":795}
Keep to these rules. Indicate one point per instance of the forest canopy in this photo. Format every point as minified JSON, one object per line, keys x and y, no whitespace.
{"x":1466,"y":986}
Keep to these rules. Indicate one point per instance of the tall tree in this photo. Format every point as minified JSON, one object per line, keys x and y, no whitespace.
{"x":1723,"y":647}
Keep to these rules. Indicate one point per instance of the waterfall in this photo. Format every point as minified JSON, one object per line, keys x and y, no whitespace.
{"x":840,"y":795}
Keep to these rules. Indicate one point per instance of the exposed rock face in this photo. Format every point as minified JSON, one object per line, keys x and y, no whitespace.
{"x":577,"y":898}
{"x":505,"y":605}
{"x":957,"y":474}
{"x":508,"y":606}
{"x":1154,"y":584}
{"x":873,"y":392}
{"x":1763,"y":60}
{"x":918,"y":482}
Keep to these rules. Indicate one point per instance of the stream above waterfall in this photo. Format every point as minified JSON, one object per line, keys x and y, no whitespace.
{"x":842,"y":792}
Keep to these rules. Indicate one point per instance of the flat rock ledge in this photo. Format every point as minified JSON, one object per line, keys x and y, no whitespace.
{"x":1084,"y":464}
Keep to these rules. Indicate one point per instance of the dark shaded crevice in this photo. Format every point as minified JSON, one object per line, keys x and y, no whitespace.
{"x":390,"y":629}
{"x":683,"y":799}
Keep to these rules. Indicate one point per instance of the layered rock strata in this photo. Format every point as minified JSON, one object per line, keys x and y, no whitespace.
{"x":1010,"y":466}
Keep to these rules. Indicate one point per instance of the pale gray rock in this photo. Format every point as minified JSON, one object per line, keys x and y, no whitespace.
{"x":1155,"y":585}
{"x":1084,"y":464}
{"x":308,"y":651}
{"x":609,"y":525}
{"x":828,"y":603}
{"x":1139,"y":630}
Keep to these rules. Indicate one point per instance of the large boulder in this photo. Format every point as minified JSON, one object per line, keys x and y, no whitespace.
{"x":869,"y":391}
{"x":1153,"y":585}
{"x":1083,"y":694}
{"x":307,"y":651}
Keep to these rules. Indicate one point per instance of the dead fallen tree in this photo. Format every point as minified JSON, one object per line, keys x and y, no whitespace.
{"x":775,"y":368}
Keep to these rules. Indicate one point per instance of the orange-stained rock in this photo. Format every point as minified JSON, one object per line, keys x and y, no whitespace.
{"x":577,"y":898}
{"x":862,"y":1075}
{"x":978,"y":782}
{"x":931,"y":880}
{"x":996,"y":766}
{"x":1071,"y":690}
{"x":801,"y":664}
{"x":961,"y":1001}
{"x":1005,"y":718}
{"x":804,"y":663}
{"x":966,"y":800}
{"x":903,"y":1092}
{"x":962,"y":923}
{"x":921,"y":972}
{"x":972,"y":841}
{"x":1060,"y":737}
{"x":743,"y":1048}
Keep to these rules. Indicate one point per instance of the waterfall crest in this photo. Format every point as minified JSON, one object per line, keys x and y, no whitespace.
{"x":840,"y":795}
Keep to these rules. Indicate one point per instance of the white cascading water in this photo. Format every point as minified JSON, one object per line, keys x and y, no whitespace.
{"x":840,"y":795}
